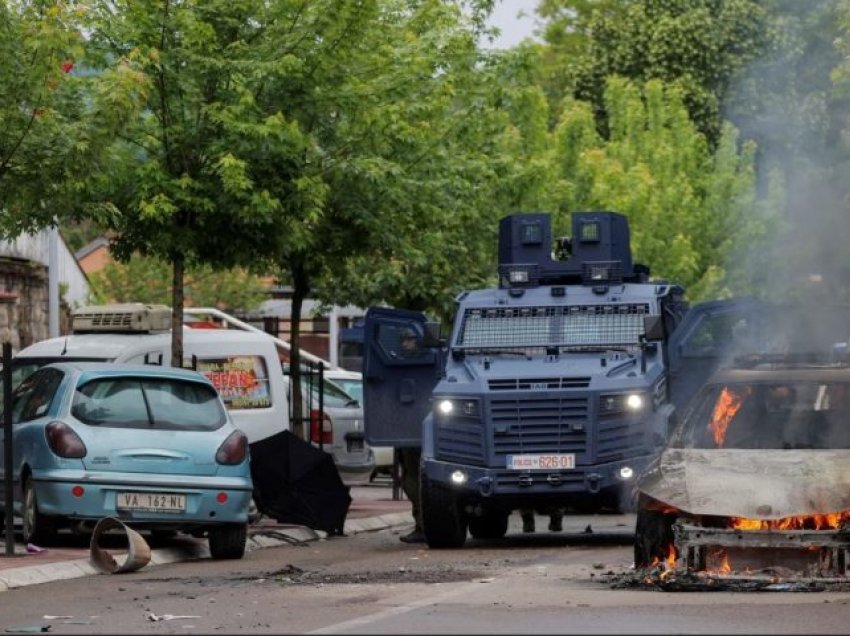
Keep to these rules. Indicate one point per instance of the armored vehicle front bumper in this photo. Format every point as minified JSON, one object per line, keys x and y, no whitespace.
{"x":502,"y":482}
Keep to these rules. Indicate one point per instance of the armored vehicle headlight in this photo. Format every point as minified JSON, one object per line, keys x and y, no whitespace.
{"x":518,"y":276}
{"x":457,"y":407}
{"x":634,"y":401}
{"x":621,"y":403}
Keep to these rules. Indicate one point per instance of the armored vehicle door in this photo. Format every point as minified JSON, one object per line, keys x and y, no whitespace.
{"x":710,"y":335}
{"x":401,"y":366}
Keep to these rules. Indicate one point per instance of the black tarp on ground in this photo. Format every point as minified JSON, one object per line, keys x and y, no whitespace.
{"x":295,"y":482}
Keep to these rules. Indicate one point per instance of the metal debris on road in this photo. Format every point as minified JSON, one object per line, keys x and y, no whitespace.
{"x":138,"y":555}
{"x":28,"y":629}
{"x":167,"y":617}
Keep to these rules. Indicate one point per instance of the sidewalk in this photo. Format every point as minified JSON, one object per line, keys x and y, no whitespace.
{"x":372,"y":508}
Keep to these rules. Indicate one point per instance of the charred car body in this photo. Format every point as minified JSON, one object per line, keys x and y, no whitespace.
{"x":754,"y":476}
{"x":551,"y":391}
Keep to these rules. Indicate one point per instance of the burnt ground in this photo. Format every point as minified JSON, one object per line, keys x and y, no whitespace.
{"x":661,"y":579}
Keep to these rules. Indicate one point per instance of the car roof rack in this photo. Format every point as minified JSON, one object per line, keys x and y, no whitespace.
{"x":799,"y":359}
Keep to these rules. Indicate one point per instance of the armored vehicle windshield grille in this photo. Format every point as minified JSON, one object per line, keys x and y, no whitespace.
{"x":576,"y":325}
{"x":539,"y":425}
{"x":535,"y":384}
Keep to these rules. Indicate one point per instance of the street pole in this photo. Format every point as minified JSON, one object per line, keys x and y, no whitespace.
{"x":333,"y":337}
{"x":8,"y":469}
{"x":53,"y":281}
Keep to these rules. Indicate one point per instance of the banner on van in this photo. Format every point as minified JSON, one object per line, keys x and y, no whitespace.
{"x":242,"y":381}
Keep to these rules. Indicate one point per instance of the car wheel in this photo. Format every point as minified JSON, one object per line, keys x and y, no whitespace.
{"x":443,"y":522}
{"x":228,"y":541}
{"x":653,"y":537}
{"x":493,"y":524}
{"x":37,"y":528}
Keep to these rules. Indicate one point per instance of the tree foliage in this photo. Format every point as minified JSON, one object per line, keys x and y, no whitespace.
{"x":56,"y":119}
{"x":146,"y":280}
{"x":695,"y":45}
{"x":693,"y":213}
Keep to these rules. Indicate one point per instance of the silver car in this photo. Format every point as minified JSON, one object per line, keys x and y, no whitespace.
{"x":338,"y":428}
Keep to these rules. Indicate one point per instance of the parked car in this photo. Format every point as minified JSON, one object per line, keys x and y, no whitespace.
{"x":352,"y":383}
{"x":152,"y":446}
{"x":754,"y":474}
{"x":337,"y":427}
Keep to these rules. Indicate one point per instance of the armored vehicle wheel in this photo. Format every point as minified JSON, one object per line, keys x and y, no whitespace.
{"x":443,"y":522}
{"x":653,"y":537}
{"x":493,"y":524}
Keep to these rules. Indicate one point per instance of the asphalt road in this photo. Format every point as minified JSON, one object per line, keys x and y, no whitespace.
{"x":372,"y":583}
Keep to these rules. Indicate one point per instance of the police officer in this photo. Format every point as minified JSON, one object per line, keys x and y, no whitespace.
{"x":409,"y":457}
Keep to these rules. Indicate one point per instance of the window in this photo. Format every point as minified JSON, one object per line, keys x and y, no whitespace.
{"x":772,"y":415}
{"x":400,"y":342}
{"x":129,"y":402}
{"x":34,"y":395}
{"x":241,"y":381}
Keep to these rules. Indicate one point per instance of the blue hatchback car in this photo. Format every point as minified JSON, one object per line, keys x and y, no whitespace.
{"x":152,"y":446}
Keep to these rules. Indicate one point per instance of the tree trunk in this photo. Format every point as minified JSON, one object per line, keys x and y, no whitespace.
{"x":300,"y":289}
{"x":177,"y":262}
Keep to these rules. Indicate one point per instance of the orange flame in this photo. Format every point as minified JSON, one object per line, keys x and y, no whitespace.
{"x":670,"y":561}
{"x":725,"y":568}
{"x":727,"y":406}
{"x":830,"y":521}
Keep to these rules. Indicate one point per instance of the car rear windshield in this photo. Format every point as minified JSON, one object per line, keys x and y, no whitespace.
{"x":779,"y":415}
{"x":160,"y":403}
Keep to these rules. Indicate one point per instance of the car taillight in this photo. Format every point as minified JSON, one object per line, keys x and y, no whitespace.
{"x":233,"y":450}
{"x":64,"y":441}
{"x":321,"y":428}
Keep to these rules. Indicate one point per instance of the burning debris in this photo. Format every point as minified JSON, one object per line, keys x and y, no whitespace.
{"x":806,"y":553}
{"x":752,"y":491}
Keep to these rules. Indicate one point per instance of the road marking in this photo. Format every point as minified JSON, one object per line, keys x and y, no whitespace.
{"x":455,"y":592}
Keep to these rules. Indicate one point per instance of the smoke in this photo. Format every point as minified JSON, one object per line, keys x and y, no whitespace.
{"x":787,"y":103}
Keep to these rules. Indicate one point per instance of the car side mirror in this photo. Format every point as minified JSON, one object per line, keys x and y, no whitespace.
{"x":653,"y":327}
{"x":431,"y":336}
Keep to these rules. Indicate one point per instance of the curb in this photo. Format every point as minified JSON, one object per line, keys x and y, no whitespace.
{"x":13,"y":578}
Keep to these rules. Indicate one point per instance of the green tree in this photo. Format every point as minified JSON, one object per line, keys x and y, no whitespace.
{"x":693,"y":213}
{"x":145,"y":279}
{"x":56,"y":119}
{"x":174,"y":167}
{"x":697,"y":45}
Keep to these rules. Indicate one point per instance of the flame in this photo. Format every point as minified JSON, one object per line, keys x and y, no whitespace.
{"x":720,"y":557}
{"x":830,"y":521}
{"x":670,"y":561}
{"x":727,"y":406}
{"x":725,"y":568}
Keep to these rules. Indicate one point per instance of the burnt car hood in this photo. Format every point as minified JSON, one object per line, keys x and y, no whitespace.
{"x":754,"y":484}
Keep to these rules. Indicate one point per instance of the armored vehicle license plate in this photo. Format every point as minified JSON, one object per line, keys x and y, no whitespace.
{"x":159,"y":502}
{"x":541,"y":462}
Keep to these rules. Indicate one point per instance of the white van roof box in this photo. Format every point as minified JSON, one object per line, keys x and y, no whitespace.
{"x":121,"y":318}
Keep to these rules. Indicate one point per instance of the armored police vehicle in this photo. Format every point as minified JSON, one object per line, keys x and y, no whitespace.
{"x":551,"y":391}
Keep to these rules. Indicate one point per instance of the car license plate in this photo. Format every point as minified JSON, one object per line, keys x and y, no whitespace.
{"x":541,"y":462}
{"x":151,"y":501}
{"x":354,"y":444}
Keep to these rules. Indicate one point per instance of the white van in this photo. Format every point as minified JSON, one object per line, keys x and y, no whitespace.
{"x":243,"y":366}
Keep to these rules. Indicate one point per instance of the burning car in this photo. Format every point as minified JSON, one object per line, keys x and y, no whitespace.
{"x":754,"y":476}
